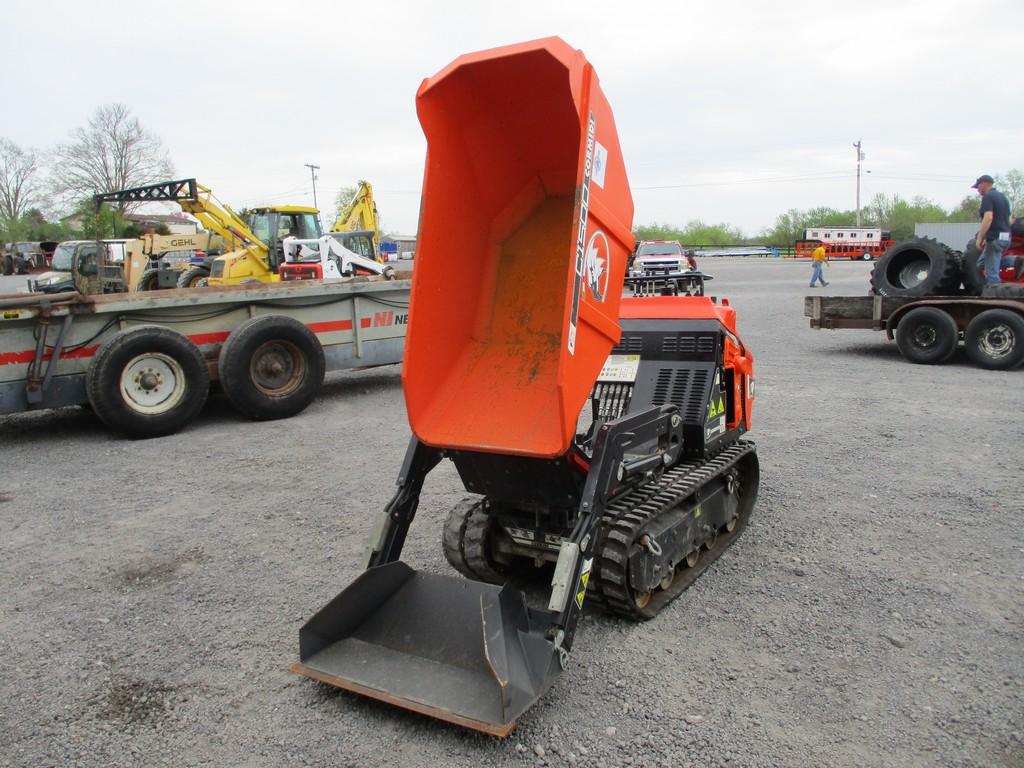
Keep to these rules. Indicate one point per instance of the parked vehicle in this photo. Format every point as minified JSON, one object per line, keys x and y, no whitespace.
{"x":22,"y":257}
{"x":855,"y":243}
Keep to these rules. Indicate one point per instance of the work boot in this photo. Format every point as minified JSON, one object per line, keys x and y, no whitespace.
{"x":824,"y":284}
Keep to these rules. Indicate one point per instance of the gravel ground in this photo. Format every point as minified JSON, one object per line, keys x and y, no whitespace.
{"x":152,"y":591}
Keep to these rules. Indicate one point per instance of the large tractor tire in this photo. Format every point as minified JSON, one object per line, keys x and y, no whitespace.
{"x":973,"y":273}
{"x":271,"y":367}
{"x":192,"y":276}
{"x":916,"y":268}
{"x":927,"y":336}
{"x":1004,"y":291}
{"x":995,"y":339}
{"x":149,"y":281}
{"x":147,"y":381}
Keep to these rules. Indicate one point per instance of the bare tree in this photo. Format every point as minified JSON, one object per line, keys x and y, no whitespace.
{"x":19,"y":185}
{"x":113,"y":151}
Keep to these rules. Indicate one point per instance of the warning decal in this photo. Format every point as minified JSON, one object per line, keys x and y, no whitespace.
{"x":581,"y":592}
{"x":717,"y":408}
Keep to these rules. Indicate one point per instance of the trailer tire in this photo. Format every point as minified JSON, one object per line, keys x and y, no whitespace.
{"x":866,"y":256}
{"x":191,"y":277}
{"x":916,"y":268}
{"x":271,"y":367}
{"x":995,"y":339}
{"x":124,"y":381}
{"x":927,"y":336}
{"x":149,"y":281}
{"x":8,"y":264}
{"x":1004,"y":291}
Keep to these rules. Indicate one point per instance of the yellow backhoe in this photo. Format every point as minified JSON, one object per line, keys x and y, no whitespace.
{"x":255,"y":244}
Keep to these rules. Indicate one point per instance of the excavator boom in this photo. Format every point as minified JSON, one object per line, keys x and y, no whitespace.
{"x":360,"y":213}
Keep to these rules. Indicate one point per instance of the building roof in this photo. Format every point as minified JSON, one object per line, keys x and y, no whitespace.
{"x":164,"y":218}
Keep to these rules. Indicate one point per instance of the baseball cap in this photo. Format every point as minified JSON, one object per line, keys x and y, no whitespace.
{"x":983,"y":177}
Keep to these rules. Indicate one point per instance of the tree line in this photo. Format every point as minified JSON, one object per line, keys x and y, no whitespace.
{"x":114,"y":151}
{"x":111,"y":151}
{"x":888,"y":212}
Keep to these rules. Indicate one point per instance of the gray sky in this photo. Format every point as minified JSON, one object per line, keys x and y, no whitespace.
{"x":710,"y":98}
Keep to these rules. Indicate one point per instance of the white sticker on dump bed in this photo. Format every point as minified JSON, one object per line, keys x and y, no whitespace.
{"x":600,"y":163}
{"x":620,"y":368}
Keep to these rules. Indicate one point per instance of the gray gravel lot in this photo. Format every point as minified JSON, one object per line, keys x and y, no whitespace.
{"x":152,"y":591}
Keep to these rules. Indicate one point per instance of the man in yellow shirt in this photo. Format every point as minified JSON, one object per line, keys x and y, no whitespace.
{"x":818,"y":259}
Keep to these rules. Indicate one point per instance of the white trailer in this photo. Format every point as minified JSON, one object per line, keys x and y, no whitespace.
{"x":144,"y":361}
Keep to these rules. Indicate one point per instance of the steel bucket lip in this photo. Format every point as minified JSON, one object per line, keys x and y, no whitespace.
{"x":501,"y":730}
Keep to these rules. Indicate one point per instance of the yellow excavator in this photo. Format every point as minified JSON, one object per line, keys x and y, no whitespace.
{"x":255,"y":244}
{"x":360,"y":215}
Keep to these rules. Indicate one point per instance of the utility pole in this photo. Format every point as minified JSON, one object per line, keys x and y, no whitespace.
{"x":860,"y":156}
{"x":314,"y":168}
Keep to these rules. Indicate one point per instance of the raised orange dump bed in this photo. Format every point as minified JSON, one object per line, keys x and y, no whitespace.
{"x":521,"y":252}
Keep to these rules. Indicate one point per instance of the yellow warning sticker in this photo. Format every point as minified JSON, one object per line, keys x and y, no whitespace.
{"x":584,"y":578}
{"x":716,"y":409}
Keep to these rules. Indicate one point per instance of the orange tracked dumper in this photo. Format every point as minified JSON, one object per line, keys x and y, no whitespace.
{"x":597,"y":433}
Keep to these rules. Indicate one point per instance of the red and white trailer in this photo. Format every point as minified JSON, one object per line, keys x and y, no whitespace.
{"x":864,"y":243}
{"x":145,"y":361}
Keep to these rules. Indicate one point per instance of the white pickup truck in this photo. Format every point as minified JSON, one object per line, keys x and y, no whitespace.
{"x":660,"y":257}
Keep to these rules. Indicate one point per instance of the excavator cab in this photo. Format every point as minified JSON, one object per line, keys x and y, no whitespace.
{"x":273,"y":225}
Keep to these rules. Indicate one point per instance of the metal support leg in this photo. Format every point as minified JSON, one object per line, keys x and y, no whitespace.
{"x":389,"y":537}
{"x":655,"y":437}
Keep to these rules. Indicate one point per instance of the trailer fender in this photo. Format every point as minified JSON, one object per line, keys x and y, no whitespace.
{"x":147,"y":381}
{"x":271,"y":367}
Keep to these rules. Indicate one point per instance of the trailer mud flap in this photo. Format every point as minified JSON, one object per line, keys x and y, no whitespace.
{"x":463,"y":651}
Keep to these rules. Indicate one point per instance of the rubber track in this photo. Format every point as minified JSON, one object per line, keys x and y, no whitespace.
{"x":625,"y":517}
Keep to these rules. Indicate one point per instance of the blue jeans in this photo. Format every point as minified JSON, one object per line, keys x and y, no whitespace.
{"x":992,"y":260}
{"x":816,"y":273}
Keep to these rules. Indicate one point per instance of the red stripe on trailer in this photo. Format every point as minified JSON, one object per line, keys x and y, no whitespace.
{"x":26,"y":357}
{"x":329,"y":326}
{"x":199,"y":339}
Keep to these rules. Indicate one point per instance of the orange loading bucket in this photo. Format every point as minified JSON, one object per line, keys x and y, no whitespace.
{"x":522,"y":248}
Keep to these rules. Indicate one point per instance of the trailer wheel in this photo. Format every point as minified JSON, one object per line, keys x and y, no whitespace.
{"x":927,"y":336}
{"x":190,"y":277}
{"x":866,"y":256}
{"x":916,"y":268}
{"x":147,"y":381}
{"x":995,"y":339}
{"x":271,"y":367}
{"x":149,"y":281}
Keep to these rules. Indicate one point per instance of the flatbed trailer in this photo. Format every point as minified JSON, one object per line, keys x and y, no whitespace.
{"x":145,"y":361}
{"x":928,"y":330}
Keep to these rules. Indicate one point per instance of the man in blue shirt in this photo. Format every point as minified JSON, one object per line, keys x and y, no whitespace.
{"x":994,"y":235}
